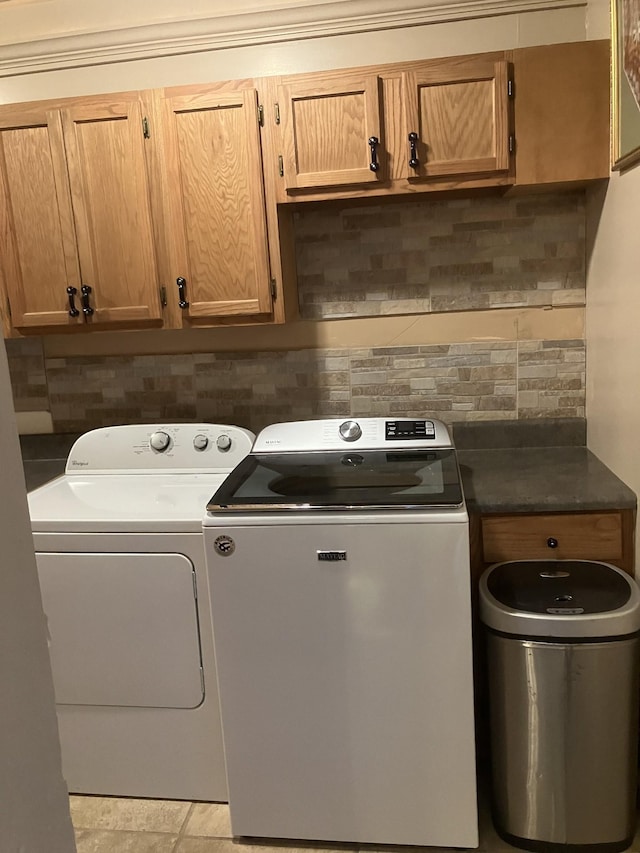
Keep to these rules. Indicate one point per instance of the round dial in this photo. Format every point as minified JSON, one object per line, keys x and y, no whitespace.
{"x":200,"y":442}
{"x":160,"y":441}
{"x":223,"y":443}
{"x":350,"y":431}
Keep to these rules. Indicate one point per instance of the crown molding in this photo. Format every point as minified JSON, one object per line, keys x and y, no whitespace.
{"x":267,"y":26}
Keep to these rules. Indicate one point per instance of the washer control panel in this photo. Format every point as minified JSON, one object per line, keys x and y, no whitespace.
{"x":363,"y":433}
{"x":160,"y":447}
{"x":398,"y":430}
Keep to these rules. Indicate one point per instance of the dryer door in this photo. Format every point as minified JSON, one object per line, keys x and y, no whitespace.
{"x":123,"y":629}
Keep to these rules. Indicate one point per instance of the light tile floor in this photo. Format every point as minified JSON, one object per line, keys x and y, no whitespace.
{"x":114,"y":825}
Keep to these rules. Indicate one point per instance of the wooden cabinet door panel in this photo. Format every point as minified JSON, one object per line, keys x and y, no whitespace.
{"x":327,"y":124}
{"x":110,"y":195}
{"x":37,"y":235}
{"x":459,"y":112}
{"x":217,"y":219}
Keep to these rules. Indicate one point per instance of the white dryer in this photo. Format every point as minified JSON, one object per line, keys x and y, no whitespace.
{"x":120,"y":556}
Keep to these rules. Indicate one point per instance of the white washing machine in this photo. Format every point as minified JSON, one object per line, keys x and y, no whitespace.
{"x":120,"y":556}
{"x":338,"y":557}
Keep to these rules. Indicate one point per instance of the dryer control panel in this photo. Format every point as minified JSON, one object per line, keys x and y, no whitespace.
{"x":152,"y":448}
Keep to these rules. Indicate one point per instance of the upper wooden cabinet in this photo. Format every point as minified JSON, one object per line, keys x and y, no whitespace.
{"x":38,"y":249}
{"x":214,"y":205}
{"x":562,"y":113}
{"x":110,"y":196}
{"x":332,"y":128}
{"x":77,"y":242}
{"x":173,"y":207}
{"x":390,"y":129}
{"x":527,"y":117}
{"x":457,"y":119}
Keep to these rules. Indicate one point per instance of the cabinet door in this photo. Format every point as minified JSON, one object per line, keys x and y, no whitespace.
{"x":328,"y":122}
{"x":215,"y":196}
{"x":110,"y":195}
{"x":38,"y":256}
{"x":458,"y":112}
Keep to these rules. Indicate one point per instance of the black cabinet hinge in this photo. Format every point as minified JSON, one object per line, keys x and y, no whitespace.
{"x":512,"y":143}
{"x":280,"y":166}
{"x":276,"y":108}
{"x":163,"y":296}
{"x":260,"y":115}
{"x":510,"y":88}
{"x":145,"y":128}
{"x":274,"y":292}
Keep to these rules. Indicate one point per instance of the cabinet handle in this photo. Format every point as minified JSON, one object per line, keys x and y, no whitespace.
{"x":182,"y":283}
{"x":552,"y":543}
{"x":87,"y":310}
{"x":373,"y":143}
{"x":413,"y":150}
{"x":71,"y":292}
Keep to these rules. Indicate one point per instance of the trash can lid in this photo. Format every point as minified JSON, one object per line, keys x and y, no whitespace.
{"x":559,"y":598}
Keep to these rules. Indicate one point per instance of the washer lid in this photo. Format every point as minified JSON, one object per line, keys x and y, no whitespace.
{"x":559,"y":598}
{"x":355,"y":479}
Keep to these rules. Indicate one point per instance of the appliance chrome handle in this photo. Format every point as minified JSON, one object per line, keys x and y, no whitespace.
{"x":373,"y":144}
{"x":71,"y":292}
{"x":182,"y":302}
{"x":87,"y":310}
{"x":413,"y":150}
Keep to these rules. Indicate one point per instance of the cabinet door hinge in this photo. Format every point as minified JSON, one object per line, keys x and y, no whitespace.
{"x":260,"y":115}
{"x":145,"y":128}
{"x":274,"y":292}
{"x":280,"y":166}
{"x":510,"y":88}
{"x":512,"y":143}
{"x":163,"y":296}
{"x":276,"y":108}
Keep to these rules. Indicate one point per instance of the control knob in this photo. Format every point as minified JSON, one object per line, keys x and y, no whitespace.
{"x":200,"y":442}
{"x":160,"y":441}
{"x":223,"y":443}
{"x":350,"y":431}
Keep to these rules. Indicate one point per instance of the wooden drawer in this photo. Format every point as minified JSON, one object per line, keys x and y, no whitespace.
{"x":581,"y":536}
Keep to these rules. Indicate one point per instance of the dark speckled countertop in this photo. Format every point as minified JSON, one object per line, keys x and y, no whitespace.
{"x":506,"y":466}
{"x":540,"y":479}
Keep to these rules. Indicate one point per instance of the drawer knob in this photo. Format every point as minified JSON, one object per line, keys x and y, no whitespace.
{"x":552,"y":543}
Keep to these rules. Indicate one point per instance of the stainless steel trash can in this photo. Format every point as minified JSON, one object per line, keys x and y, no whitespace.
{"x":563,"y":657}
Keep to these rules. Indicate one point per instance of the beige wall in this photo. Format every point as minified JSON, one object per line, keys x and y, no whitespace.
{"x":613,"y":329}
{"x":613,"y":309}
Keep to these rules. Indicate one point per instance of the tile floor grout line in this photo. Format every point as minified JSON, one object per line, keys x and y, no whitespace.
{"x":181,"y":832}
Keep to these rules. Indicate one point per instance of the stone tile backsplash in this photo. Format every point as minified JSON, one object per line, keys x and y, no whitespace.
{"x":455,"y":382}
{"x":441,"y":255}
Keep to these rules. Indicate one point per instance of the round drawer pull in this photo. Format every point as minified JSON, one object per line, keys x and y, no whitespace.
{"x":552,"y":543}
